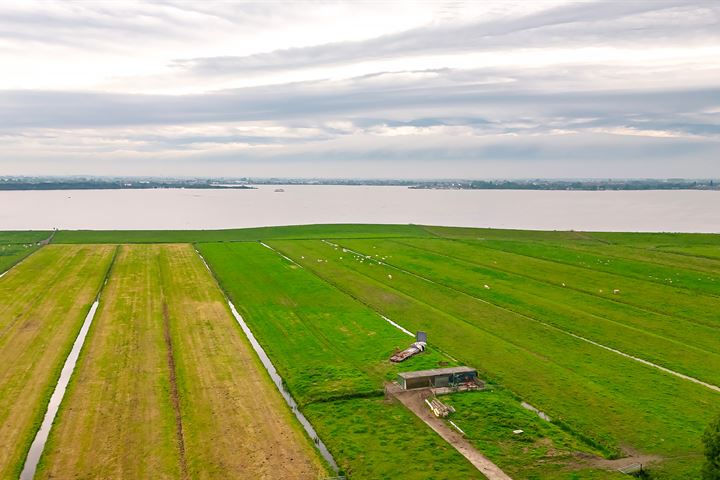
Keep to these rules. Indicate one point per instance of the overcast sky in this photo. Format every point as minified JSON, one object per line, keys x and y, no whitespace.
{"x":483,"y":89}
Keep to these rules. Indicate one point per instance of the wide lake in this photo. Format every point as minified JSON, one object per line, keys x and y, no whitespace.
{"x":171,"y":209}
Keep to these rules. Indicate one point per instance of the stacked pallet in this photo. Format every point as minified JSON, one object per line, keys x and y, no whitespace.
{"x":438,"y":408}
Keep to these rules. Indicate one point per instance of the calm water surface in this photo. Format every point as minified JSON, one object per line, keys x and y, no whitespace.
{"x":680,"y":211}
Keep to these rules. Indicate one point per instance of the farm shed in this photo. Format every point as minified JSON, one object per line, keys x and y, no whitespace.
{"x":438,"y":377}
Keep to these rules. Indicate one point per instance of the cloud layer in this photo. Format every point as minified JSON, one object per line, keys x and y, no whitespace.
{"x":560,"y":89}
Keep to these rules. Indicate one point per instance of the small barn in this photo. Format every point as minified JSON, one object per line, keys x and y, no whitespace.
{"x":437,"y":377}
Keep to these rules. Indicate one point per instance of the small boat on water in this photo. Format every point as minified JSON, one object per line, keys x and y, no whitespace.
{"x":279,"y":189}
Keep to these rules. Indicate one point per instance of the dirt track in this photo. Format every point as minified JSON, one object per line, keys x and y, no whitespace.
{"x":414,"y":400}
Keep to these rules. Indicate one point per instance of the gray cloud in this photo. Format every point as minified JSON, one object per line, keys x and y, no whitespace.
{"x":579,"y":23}
{"x":318,"y":101}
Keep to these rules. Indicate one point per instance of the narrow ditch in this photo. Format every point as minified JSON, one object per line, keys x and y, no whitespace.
{"x":537,"y":412}
{"x":274,"y":375}
{"x":38,"y":444}
{"x":278,"y":381}
{"x":175,"y":397}
{"x":396,"y":325}
{"x":281,"y":254}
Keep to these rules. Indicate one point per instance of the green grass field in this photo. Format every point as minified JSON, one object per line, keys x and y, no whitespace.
{"x":705,"y":251}
{"x":330,"y":350}
{"x":15,"y":246}
{"x":238,"y":235}
{"x":23,"y":237}
{"x":11,"y":254}
{"x":501,"y":330}
{"x":373,"y":438}
{"x":625,"y":321}
{"x":325,"y":343}
{"x":550,"y":318}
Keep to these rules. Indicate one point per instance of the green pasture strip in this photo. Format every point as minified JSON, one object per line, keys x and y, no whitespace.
{"x":689,"y":305}
{"x":684,"y":250}
{"x":575,"y":382}
{"x":12,"y":254}
{"x":674,"y":304}
{"x":633,"y":239}
{"x":43,"y":303}
{"x":670,"y":342}
{"x":650,"y":256}
{"x":711,"y":252}
{"x":508,"y":234}
{"x":235,"y":423}
{"x":239,"y":235}
{"x":542,"y":451}
{"x":23,"y":237}
{"x":702,"y":276}
{"x":639,"y":246}
{"x":323,"y":343}
{"x":494,"y":357}
{"x":650,"y":240}
{"x":373,"y":438}
{"x":117,"y":419}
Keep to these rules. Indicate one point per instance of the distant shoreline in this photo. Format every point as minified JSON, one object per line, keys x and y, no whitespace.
{"x":20,"y":184}
{"x":8,"y":187}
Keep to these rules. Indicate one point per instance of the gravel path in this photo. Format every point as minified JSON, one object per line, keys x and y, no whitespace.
{"x":414,"y":400}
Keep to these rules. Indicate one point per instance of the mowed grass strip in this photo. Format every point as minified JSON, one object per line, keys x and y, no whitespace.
{"x":333,"y":355}
{"x":235,"y":423}
{"x":605,"y":397}
{"x":43,"y":303}
{"x":167,"y":386}
{"x":117,"y":418}
{"x":668,"y":341}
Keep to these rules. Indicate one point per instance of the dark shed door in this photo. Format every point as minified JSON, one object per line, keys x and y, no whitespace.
{"x":442,"y":381}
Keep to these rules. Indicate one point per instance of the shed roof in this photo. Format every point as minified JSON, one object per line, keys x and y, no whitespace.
{"x":435,"y":372}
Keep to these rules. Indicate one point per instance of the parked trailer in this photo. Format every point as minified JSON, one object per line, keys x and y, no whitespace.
{"x":417,"y":347}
